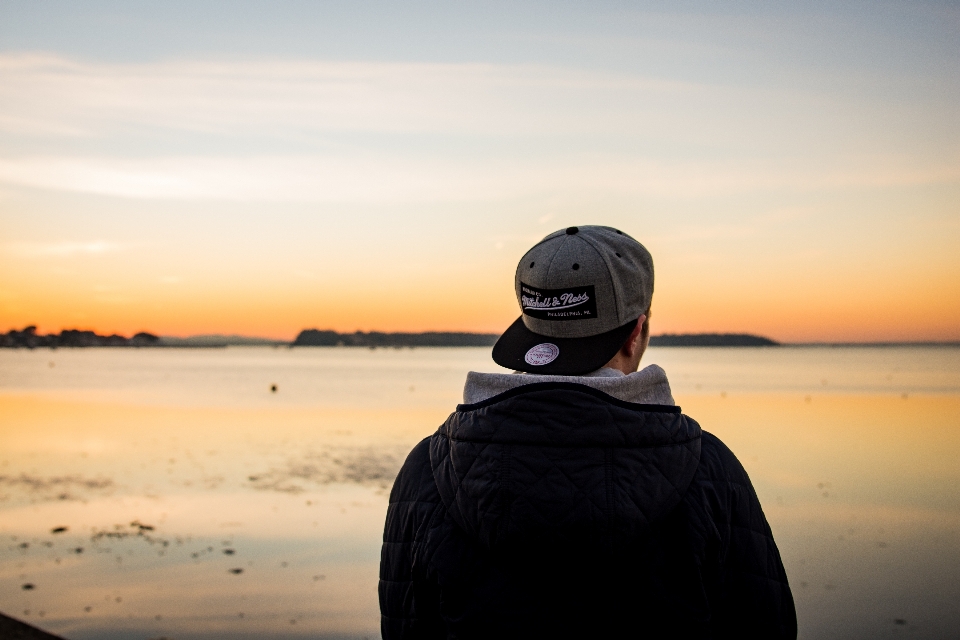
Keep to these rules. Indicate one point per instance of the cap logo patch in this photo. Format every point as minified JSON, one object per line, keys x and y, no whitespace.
{"x":571,"y":303}
{"x":543,"y":353}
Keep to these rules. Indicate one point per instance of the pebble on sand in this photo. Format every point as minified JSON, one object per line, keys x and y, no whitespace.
{"x":236,"y":571}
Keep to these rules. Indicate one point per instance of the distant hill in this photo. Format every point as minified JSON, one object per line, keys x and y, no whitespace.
{"x":28,"y":338}
{"x":327,"y":338}
{"x":711,"y":340}
{"x":217,"y":340}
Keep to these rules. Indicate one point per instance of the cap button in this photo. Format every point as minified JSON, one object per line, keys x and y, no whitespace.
{"x":572,"y":230}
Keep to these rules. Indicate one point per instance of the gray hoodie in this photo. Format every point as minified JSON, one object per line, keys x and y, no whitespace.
{"x":647,"y":386}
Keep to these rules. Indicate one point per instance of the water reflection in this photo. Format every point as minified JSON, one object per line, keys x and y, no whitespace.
{"x":167,"y":493}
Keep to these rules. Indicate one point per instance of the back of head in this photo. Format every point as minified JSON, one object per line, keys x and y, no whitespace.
{"x":581,"y":291}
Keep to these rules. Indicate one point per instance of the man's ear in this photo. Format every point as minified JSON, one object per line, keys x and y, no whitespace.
{"x":632,"y":343}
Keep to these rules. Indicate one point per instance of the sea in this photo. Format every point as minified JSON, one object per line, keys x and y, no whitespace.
{"x":241,"y":492}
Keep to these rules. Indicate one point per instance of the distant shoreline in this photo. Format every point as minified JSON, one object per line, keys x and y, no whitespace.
{"x":72,"y":338}
{"x":874,"y":345}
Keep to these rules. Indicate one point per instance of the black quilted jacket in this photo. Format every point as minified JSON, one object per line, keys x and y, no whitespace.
{"x":555,"y":510}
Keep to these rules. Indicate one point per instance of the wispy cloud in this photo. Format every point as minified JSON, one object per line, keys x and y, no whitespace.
{"x":385,"y":177}
{"x":376,"y":132}
{"x":46,"y":94}
{"x":62,"y":249}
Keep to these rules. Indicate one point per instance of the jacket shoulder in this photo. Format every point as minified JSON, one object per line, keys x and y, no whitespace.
{"x":722,"y":491}
{"x":415,"y":479}
{"x":718,"y":463}
{"x":752,"y":595}
{"x":413,"y":498}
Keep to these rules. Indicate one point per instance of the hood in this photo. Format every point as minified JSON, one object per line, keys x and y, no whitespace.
{"x":561,"y":461}
{"x":647,"y":386}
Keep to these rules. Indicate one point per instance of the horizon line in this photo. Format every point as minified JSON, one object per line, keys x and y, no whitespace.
{"x":279,"y":341}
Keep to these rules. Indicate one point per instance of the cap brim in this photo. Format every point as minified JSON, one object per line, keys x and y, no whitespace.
{"x":576,"y":356}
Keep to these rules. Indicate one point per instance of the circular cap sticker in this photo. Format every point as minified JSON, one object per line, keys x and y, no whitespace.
{"x":542,"y":354}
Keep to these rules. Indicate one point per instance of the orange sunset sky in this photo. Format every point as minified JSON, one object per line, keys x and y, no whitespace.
{"x":242,"y":168}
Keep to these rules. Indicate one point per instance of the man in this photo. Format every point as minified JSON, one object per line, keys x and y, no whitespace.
{"x":572,"y":498}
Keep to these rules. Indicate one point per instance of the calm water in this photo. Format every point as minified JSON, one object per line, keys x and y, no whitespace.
{"x":197,"y":503}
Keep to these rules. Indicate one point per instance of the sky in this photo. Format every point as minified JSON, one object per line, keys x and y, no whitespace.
{"x":263,"y":167}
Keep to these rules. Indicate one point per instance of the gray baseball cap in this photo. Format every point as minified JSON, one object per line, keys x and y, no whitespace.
{"x":581,"y":291}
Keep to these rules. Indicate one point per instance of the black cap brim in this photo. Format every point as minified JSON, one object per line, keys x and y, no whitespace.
{"x":576,"y":356}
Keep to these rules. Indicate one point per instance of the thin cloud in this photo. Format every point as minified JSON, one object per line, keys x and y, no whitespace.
{"x":51,"y":95}
{"x":259,"y":130}
{"x":382,"y":177}
{"x":62,"y":249}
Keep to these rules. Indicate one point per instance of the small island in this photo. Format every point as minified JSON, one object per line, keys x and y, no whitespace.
{"x":711,"y":340}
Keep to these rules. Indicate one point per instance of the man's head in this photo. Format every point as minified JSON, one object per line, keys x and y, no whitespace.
{"x":583,"y":291}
